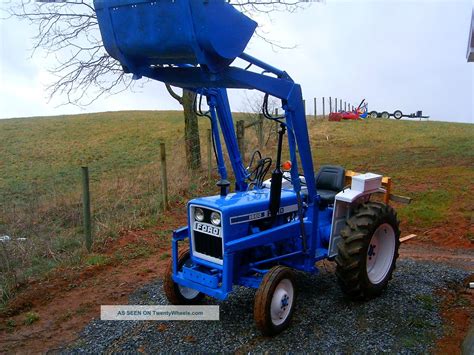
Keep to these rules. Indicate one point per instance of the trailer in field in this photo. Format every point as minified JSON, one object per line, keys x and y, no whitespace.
{"x":397,"y":114}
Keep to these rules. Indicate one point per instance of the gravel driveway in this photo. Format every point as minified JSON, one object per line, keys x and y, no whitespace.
{"x":404,"y":319}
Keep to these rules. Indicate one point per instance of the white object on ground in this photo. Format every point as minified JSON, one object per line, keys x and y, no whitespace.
{"x":407,"y":238}
{"x":5,"y":239}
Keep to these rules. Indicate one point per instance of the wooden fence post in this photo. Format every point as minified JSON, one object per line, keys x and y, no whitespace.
{"x":324,"y":108}
{"x":164,"y":176}
{"x":209,"y":153}
{"x":260,"y":131}
{"x":241,"y":137}
{"x":86,"y":204}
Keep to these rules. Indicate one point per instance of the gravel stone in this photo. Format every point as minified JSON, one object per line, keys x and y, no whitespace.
{"x":405,"y":319}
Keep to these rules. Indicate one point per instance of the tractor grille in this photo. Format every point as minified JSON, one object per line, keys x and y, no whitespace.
{"x":207,"y":239}
{"x":208,"y":244}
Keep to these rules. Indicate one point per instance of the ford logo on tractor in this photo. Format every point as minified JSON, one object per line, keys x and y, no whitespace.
{"x":207,"y":228}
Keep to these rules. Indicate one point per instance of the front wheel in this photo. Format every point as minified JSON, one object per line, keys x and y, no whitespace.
{"x":275,"y":300}
{"x":175,"y":293}
{"x":368,"y":251}
{"x":385,"y":115}
{"x":373,"y":114}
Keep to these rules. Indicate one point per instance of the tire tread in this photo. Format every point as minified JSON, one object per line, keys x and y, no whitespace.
{"x":356,"y":235}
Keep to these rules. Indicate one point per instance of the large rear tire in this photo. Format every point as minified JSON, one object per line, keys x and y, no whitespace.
{"x":368,"y":251}
{"x":398,"y":114}
{"x":275,"y":301}
{"x":177,"y":294}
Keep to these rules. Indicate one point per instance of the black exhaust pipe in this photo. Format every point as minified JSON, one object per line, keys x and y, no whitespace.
{"x":277,"y":177}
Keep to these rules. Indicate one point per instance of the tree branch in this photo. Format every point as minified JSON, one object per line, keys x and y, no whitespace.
{"x":83,"y":71}
{"x":173,"y":94}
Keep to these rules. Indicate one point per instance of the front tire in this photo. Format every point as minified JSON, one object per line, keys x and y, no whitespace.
{"x":398,"y":114}
{"x":275,"y":301}
{"x":177,"y":294}
{"x":368,"y":251}
{"x":385,"y":115}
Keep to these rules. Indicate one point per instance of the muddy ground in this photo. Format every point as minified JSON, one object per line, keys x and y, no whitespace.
{"x":69,"y":300}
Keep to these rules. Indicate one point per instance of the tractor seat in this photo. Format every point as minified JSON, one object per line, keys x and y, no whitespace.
{"x":329,"y":182}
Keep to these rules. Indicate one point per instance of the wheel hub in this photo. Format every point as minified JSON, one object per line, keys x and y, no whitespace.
{"x":371,"y":252}
{"x":187,"y":292}
{"x":380,"y":253}
{"x":282,"y":301}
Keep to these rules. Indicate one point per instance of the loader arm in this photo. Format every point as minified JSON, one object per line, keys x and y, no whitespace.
{"x":192,"y":44}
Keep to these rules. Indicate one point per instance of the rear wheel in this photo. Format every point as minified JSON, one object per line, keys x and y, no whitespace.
{"x":368,"y":251}
{"x":275,"y":301}
{"x":175,"y":293}
{"x":398,"y":114}
{"x":373,"y":114}
{"x":385,"y":115}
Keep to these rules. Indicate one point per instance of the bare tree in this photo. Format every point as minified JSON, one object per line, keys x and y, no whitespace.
{"x":68,"y":31}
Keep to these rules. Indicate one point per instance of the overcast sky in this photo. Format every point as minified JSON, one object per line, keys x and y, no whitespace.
{"x":408,"y":55}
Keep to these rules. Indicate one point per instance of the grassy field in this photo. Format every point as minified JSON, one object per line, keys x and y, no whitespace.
{"x":40,"y":160}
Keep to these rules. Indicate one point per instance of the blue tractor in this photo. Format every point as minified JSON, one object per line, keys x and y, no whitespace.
{"x":259,"y":232}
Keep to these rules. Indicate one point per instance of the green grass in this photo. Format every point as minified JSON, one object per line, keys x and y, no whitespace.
{"x":432,"y":162}
{"x":427,"y":301}
{"x":97,"y":260}
{"x":40,"y":176}
{"x":42,"y":155}
{"x":31,"y":317}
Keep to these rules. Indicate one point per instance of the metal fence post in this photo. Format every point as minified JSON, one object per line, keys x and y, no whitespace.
{"x":330,"y":104}
{"x":335,"y":105}
{"x":324,"y":108}
{"x":315,"y":108}
{"x":86,"y":204}
{"x":164,"y":176}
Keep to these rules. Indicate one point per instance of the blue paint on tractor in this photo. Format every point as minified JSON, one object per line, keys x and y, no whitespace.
{"x":191,"y":44}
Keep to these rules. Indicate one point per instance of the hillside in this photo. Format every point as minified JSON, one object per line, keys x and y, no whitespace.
{"x":40,"y":185}
{"x":40,"y":200}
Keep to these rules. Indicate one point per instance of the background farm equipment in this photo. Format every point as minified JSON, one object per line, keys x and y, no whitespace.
{"x":397,"y":114}
{"x":265,"y":229}
{"x":357,"y":114}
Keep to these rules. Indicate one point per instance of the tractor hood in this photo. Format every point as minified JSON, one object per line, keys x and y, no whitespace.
{"x":240,"y":209}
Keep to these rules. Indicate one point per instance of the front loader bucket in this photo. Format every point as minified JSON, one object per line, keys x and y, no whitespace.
{"x":139,"y":33}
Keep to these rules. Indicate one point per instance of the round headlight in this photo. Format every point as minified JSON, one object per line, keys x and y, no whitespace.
{"x":216,"y":218}
{"x":198,"y":214}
